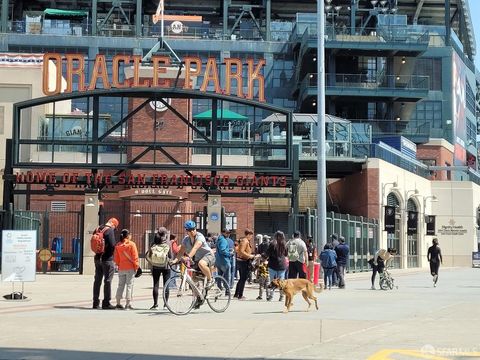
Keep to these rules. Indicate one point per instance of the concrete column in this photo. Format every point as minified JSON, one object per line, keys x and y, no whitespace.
{"x":90,"y":224}
{"x":4,"y":19}
{"x":225,"y":18}
{"x":268,"y":20}
{"x":94,"y":17}
{"x":139,"y":19}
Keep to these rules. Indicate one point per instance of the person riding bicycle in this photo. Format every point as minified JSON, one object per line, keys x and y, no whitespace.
{"x":195,"y":247}
{"x":381,"y":260}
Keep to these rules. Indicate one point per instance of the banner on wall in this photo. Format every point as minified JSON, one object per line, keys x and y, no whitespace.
{"x":458,"y":102}
{"x":412,"y":223}
{"x":430,"y":222}
{"x":389,"y":219}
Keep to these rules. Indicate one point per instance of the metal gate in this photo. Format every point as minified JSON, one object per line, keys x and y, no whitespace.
{"x":361,"y":234}
{"x":144,"y":224}
{"x":60,"y":232}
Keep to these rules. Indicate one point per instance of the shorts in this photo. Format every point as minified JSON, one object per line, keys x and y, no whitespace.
{"x":209,"y":258}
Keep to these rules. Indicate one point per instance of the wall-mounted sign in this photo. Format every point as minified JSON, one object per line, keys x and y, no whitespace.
{"x":455,"y":230}
{"x":163,"y":180}
{"x":389,"y":219}
{"x":430,"y":222}
{"x":19,"y":255}
{"x":177,"y":27}
{"x":108,"y":73}
{"x":160,"y":106}
{"x":412,"y":223}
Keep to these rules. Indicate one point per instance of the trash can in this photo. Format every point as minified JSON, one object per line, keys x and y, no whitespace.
{"x":316,"y":272}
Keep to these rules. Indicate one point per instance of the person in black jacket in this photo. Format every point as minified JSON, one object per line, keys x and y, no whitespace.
{"x":434,"y":257}
{"x":105,"y":267}
{"x":343,"y":252}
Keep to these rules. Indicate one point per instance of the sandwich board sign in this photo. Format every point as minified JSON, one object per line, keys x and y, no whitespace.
{"x":19,"y":255}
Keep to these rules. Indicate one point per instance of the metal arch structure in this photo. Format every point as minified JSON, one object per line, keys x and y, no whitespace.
{"x":288,"y":168}
{"x":150,"y":94}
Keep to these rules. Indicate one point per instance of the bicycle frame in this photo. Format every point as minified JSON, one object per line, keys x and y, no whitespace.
{"x":184,"y":276}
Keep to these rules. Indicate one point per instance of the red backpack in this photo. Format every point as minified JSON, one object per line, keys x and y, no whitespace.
{"x":97,"y":242}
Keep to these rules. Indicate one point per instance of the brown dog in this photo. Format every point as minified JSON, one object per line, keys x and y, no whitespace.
{"x":291,"y":287}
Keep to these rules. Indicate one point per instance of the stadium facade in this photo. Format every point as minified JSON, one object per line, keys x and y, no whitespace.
{"x":402,"y":95}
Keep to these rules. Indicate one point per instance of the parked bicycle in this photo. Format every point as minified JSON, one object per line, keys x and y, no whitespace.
{"x":386,"y":280}
{"x":187,"y":292}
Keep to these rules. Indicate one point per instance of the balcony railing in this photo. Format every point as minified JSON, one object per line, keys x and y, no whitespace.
{"x":380,"y":34}
{"x":369,"y":82}
{"x":206,"y":32}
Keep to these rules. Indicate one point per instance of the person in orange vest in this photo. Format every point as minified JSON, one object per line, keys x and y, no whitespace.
{"x":126,"y":258}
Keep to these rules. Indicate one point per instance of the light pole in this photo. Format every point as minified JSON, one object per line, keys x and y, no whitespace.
{"x":321,"y":161}
{"x":433,"y":199}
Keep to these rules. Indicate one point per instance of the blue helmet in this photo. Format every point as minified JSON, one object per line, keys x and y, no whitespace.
{"x":190,"y":225}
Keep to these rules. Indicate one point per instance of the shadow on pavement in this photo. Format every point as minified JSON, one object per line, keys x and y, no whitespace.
{"x":46,"y":354}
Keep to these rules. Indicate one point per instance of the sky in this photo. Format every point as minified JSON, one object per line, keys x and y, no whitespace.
{"x":475,"y":15}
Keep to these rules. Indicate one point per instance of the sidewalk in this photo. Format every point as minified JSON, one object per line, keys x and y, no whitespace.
{"x":57,"y":322}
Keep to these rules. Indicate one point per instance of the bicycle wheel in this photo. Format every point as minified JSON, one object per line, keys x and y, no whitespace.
{"x":219,"y":296}
{"x":384,"y":284}
{"x":181,"y":299}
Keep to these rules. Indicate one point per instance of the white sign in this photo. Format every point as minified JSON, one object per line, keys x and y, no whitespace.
{"x":19,"y":255}
{"x":177,"y":27}
{"x":160,"y":106}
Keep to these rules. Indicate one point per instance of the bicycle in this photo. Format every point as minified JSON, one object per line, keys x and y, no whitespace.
{"x":386,"y":280}
{"x":191,"y":292}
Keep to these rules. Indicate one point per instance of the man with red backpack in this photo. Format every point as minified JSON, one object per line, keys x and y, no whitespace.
{"x":104,"y":265}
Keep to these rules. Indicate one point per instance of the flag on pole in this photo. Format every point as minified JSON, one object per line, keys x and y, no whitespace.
{"x":159,"y":14}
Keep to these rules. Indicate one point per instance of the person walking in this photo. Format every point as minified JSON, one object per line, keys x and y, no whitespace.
{"x":223,"y":259}
{"x":277,"y":260}
{"x":231,"y":249}
{"x":328,"y":258}
{"x":434,"y":257}
{"x":105,"y":267}
{"x":158,"y":256}
{"x":334,"y":242}
{"x":126,"y":258}
{"x":343,"y":252}
{"x":297,"y":257}
{"x":380,"y":260}
{"x":311,"y":256}
{"x":244,"y":255}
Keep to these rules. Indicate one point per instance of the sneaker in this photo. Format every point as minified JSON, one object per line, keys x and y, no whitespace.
{"x":259,"y":298}
{"x":96,"y":306}
{"x":269,"y":298}
{"x":198,"y":303}
{"x":373,"y":287}
{"x":119,"y":306}
{"x":209,"y":285}
{"x":128,"y":307}
{"x":242,"y":298}
{"x":155,"y":307}
{"x":435,"y":285}
{"x":108,"y":307}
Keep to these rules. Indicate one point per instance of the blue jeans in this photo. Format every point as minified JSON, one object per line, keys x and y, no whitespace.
{"x":225,"y":270}
{"x":328,"y":275}
{"x":275,"y":274}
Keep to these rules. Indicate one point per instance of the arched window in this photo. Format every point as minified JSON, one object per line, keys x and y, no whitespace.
{"x":393,"y":240}
{"x":412,"y":240}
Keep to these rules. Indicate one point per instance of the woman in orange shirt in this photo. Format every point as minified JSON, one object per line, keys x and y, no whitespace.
{"x":126,"y":258}
{"x":244,"y":255}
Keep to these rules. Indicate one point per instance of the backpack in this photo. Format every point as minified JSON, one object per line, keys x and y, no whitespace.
{"x":293,"y":254}
{"x":159,"y":255}
{"x":97,"y":242}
